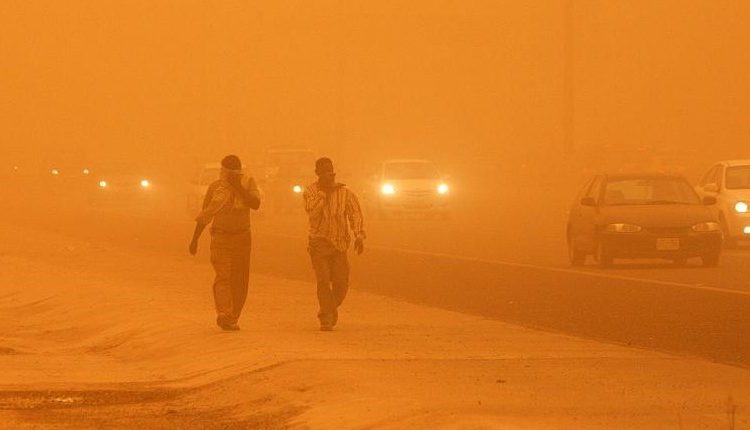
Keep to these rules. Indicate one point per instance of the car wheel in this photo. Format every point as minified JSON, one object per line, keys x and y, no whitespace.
{"x":679,"y":261}
{"x":711,"y":259}
{"x":604,"y":256}
{"x":576,"y":257}
{"x":728,"y":241}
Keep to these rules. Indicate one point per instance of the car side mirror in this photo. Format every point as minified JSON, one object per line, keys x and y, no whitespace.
{"x":709,"y":200}
{"x":588,"y":201}
{"x":711,"y":188}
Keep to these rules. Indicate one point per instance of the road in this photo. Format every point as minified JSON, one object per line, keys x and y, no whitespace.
{"x":496,"y":262}
{"x":106,"y":323}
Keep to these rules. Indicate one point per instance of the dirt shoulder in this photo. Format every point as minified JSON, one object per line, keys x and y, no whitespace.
{"x":94,"y":336}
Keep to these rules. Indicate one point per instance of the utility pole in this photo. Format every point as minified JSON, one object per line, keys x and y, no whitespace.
{"x":568,"y":106}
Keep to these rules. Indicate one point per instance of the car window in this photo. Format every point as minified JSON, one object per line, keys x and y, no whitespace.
{"x":643,"y":191}
{"x":584,"y":189}
{"x":593,"y":191}
{"x":738,"y":178}
{"x":411,"y":170}
{"x":706,"y":179}
{"x":716,"y":179}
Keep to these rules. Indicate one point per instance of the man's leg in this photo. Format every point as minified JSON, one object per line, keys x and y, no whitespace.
{"x":340,"y":280}
{"x":221,"y":259}
{"x":321,"y":260}
{"x":240,"y":272}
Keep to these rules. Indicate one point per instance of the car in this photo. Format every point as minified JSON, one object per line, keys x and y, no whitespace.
{"x":642,"y":216}
{"x":286,"y":171}
{"x":123,"y":183}
{"x":729,"y":182}
{"x":408,"y":187}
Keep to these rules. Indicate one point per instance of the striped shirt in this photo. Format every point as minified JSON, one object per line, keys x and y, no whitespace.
{"x":332,"y":214}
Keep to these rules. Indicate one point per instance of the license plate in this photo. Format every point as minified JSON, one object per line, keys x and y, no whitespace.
{"x":668,"y":244}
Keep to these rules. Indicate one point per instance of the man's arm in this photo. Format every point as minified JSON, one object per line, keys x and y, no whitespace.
{"x":196,"y":235}
{"x":314,"y":201}
{"x":215,"y":200}
{"x":250,"y":193}
{"x":356,"y":220}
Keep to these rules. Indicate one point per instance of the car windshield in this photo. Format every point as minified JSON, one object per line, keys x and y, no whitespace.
{"x":411,"y":170}
{"x":649,"y":191}
{"x":738,"y":178}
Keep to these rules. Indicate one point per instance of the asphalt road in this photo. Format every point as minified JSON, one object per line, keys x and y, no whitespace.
{"x":505,"y":261}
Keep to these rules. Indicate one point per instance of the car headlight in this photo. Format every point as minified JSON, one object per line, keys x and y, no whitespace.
{"x":443,"y":189}
{"x":297,"y":189}
{"x":624,"y":228}
{"x":741,"y":207}
{"x":706,"y":226}
{"x":145,"y":183}
{"x":388,"y":189}
{"x":86,"y":171}
{"x":103,"y":184}
{"x":54,"y":172}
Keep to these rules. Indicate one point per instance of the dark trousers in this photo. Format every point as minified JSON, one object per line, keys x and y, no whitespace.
{"x":332,"y":275}
{"x":230,"y":256}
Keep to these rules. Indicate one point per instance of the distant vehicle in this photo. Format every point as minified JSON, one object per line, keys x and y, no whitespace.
{"x":642,"y":216}
{"x":729,"y":183}
{"x":408,"y":187}
{"x":122,"y":183}
{"x":287,"y":171}
{"x":204,"y":176}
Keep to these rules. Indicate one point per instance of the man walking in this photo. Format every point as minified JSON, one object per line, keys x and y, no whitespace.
{"x":227,"y":208}
{"x":332,"y":210}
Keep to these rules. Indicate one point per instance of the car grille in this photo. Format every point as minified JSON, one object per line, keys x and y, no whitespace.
{"x":418,"y":193}
{"x":669,"y":231}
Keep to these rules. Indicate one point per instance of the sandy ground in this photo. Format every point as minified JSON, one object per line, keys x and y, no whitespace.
{"x":92,"y":336}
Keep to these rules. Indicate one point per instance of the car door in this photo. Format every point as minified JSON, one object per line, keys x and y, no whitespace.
{"x":588,"y":217}
{"x":574,"y":213}
{"x":711,"y":182}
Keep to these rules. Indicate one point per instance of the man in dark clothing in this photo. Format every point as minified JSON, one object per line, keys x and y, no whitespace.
{"x":227,"y":208}
{"x":332,"y":210}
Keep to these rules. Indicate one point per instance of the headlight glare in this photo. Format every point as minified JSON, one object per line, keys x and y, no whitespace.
{"x":102,"y":184}
{"x":706,"y":226}
{"x":741,"y":207}
{"x":145,"y":183}
{"x":443,"y":189}
{"x":388,"y":189}
{"x":297,"y":189}
{"x":623,"y":228}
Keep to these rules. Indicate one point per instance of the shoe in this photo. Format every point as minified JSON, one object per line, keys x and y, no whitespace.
{"x":227,"y":325}
{"x":326,"y":327}
{"x":231,"y":327}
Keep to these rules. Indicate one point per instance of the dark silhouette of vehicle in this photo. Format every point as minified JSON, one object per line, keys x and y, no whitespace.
{"x":642,"y":216}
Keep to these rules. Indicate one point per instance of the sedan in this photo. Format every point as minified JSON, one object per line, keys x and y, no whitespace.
{"x":729,"y":182}
{"x":642,"y":216}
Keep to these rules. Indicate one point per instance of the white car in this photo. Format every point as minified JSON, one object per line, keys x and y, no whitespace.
{"x":408,"y":186}
{"x":729,"y":182}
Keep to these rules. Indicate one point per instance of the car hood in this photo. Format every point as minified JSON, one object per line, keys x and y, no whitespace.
{"x":657,"y":215}
{"x":738,"y":195}
{"x":415,"y":184}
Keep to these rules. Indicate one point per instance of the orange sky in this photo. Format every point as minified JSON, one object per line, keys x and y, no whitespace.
{"x":192,"y":80}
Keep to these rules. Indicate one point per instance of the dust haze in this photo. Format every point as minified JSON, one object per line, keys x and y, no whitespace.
{"x":554,"y":198}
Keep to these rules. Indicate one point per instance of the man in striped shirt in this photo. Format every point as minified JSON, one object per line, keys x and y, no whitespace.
{"x":333,"y":210}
